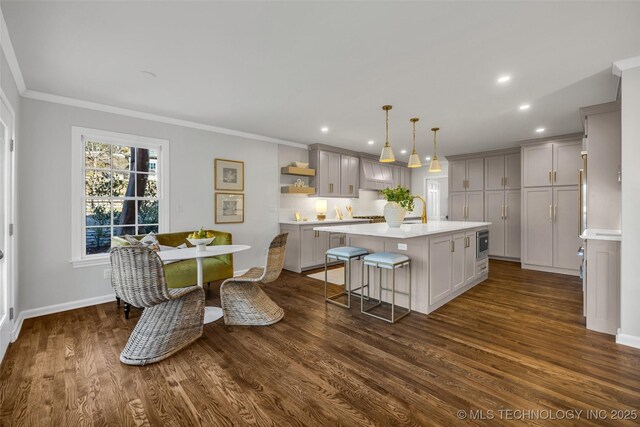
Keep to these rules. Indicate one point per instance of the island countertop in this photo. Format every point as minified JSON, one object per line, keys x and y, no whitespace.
{"x":405,"y":231}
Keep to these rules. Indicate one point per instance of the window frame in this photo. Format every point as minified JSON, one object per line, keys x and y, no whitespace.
{"x":79,"y":258}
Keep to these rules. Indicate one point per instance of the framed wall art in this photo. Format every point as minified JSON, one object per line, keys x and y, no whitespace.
{"x":229,"y":175}
{"x":229,"y":208}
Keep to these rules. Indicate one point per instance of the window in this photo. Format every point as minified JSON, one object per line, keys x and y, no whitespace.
{"x":118,"y":190}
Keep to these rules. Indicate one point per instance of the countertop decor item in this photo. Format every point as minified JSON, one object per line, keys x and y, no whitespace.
{"x":321,"y":209}
{"x":229,"y":208}
{"x":229,"y":175}
{"x":301,"y":165}
{"x":399,"y":201}
{"x":349,"y":209}
{"x":387,"y":153}
{"x":338,"y":213}
{"x":435,"y":163}
{"x":414,"y":158}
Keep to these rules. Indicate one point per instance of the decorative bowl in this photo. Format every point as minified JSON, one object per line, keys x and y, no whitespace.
{"x":201,"y":244}
{"x":302,"y":165}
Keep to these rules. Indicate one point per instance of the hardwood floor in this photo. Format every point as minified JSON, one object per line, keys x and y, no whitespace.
{"x":514,"y":342}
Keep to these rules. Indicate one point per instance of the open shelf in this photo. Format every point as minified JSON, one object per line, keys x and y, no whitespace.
{"x":292,"y":170}
{"x":290,"y":189}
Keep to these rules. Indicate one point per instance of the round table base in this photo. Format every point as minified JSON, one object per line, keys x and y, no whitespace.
{"x":211,"y":314}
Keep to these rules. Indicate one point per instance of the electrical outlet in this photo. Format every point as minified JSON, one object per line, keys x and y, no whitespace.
{"x":402,"y":246}
{"x":106,"y":274}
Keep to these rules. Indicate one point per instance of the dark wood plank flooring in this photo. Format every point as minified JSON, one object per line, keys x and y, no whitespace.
{"x":514,"y":342}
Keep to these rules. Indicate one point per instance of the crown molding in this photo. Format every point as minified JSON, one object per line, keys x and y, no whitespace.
{"x":74,"y":102}
{"x":10,"y":54}
{"x":625,"y":64}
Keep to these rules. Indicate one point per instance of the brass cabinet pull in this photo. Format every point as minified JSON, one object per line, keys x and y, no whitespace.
{"x":555,"y":176}
{"x":453,"y":246}
{"x":506,"y":211}
{"x":550,"y":213}
{"x":350,"y":188}
{"x":550,"y":180}
{"x":506,"y":180}
{"x":502,"y":212}
{"x":555,"y":213}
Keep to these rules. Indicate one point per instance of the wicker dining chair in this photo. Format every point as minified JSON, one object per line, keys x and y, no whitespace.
{"x":243,"y":301}
{"x":172,"y":318}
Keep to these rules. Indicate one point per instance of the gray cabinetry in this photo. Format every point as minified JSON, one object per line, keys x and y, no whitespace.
{"x":349,"y":175}
{"x":466,"y":175}
{"x":552,"y":163}
{"x":537,"y":226}
{"x":602,"y":286}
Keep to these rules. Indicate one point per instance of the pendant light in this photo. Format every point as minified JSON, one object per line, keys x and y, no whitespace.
{"x":387,"y":154}
{"x":414,"y":159}
{"x":435,"y":164}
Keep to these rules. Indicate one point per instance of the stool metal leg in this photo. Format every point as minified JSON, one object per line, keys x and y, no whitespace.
{"x":393,"y":290}
{"x":347,"y":286}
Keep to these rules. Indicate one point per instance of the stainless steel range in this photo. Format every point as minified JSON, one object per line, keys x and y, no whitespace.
{"x":373,"y":219}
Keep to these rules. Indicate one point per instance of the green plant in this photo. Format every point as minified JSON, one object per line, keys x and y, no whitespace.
{"x":402,"y":196}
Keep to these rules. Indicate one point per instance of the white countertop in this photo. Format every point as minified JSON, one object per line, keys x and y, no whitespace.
{"x":327,"y":221}
{"x":601,"y":234}
{"x":405,"y":231}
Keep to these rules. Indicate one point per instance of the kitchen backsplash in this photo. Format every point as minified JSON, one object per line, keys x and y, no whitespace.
{"x":367,"y":204}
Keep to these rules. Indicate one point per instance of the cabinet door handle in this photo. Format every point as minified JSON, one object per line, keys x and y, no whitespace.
{"x":506,"y":211}
{"x":502,"y":181}
{"x":506,"y":180}
{"x":555,"y":213}
{"x":453,"y":246}
{"x":550,"y":180}
{"x":555,"y":176}
{"x":350,"y":188}
{"x":502,"y":212}
{"x":550,"y":213}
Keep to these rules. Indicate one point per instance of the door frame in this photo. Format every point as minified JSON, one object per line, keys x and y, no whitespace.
{"x":11,"y":255}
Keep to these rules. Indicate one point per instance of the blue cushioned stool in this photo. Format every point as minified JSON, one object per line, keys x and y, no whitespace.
{"x":346,"y":254}
{"x":389,"y":261}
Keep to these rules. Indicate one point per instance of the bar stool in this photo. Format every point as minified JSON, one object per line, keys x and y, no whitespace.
{"x":387,"y":261}
{"x":346,"y":254}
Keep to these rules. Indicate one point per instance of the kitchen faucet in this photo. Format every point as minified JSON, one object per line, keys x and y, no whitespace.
{"x":424,"y":208}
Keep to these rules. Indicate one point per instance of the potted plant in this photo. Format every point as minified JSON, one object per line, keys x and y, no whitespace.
{"x":399,"y":201}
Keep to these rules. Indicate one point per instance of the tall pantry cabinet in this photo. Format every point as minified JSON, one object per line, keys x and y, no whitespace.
{"x":550,"y":212}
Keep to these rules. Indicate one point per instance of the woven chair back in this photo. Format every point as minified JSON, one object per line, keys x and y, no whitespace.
{"x":275,"y":258}
{"x":137,"y":276}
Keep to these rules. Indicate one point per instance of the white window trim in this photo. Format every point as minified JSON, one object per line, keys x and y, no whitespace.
{"x":78,"y":259}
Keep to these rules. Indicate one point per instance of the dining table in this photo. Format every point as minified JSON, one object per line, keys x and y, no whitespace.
{"x":211,"y":313}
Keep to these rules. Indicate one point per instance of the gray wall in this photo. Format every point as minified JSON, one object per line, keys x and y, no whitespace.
{"x":630,"y":249}
{"x":46,"y":276}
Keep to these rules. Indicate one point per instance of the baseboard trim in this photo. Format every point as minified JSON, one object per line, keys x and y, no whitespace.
{"x":57,"y":308}
{"x":628,"y":340}
{"x":550,"y":269}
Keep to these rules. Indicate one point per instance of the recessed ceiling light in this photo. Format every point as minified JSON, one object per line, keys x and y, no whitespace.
{"x":370,"y":142}
{"x":504,"y":79}
{"x":403,"y":151}
{"x":427,"y":158}
{"x":324,"y":129}
{"x":540,"y":130}
{"x":525,"y":106}
{"x":148,"y":74}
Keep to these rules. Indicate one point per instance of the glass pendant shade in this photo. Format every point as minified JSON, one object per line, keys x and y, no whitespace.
{"x":387,"y":153}
{"x":435,"y":165}
{"x":414,"y":159}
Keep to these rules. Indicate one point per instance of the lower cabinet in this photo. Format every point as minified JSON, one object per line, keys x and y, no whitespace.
{"x":466,"y":206}
{"x":306,"y":247}
{"x":550,"y":229}
{"x":452,"y":264}
{"x":602,"y":283}
{"x":502,"y":210}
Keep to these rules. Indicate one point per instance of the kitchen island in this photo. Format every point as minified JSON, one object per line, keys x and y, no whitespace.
{"x":443,"y":258}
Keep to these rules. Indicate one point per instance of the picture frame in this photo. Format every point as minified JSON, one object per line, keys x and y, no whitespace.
{"x":228,"y":175}
{"x":229,"y":208}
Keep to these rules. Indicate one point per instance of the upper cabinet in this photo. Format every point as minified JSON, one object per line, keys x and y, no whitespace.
{"x":502,"y":172}
{"x":552,"y":163}
{"x":341,"y":173}
{"x":466,"y":175}
{"x":349,"y":175}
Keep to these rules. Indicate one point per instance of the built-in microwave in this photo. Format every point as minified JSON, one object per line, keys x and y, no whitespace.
{"x":482,"y":244}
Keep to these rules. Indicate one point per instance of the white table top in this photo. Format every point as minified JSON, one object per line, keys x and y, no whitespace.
{"x":192,"y":253}
{"x":405,"y":231}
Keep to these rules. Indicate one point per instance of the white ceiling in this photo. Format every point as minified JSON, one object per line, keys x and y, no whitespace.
{"x":285,"y":69}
